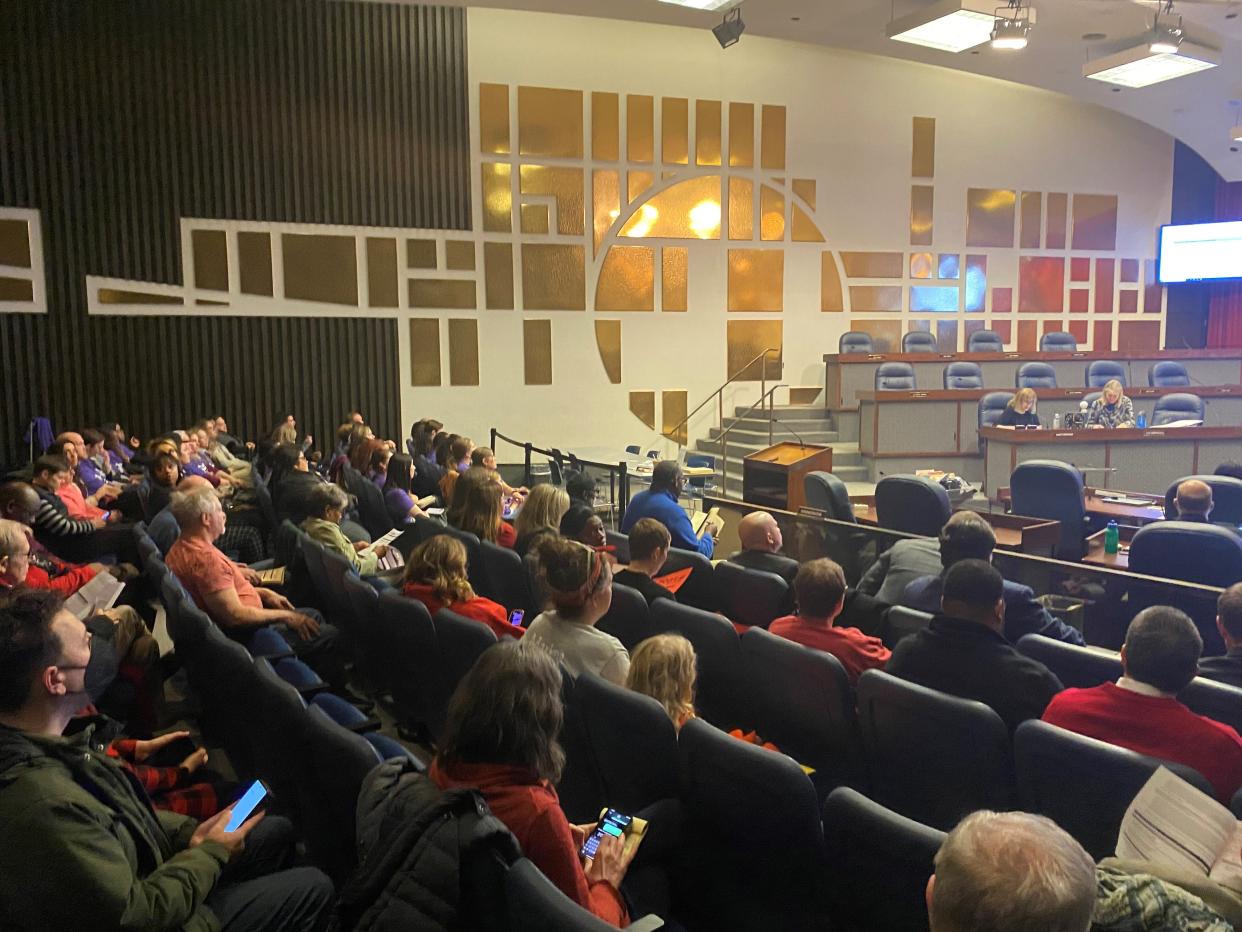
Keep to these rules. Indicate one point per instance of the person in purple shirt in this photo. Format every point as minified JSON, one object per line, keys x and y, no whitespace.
{"x":378,"y":470}
{"x":397,"y":495}
{"x":660,"y":502}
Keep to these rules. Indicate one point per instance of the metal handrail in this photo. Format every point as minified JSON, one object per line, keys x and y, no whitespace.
{"x":723,"y":435}
{"x":718,"y":394}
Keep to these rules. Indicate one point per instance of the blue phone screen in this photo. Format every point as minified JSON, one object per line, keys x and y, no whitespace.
{"x":613,"y":823}
{"x":244,"y":807}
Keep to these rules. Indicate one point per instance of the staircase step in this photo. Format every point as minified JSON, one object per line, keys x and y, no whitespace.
{"x":759,"y":434}
{"x":809,"y":412}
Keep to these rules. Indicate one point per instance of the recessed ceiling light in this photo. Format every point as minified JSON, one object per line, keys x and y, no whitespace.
{"x":707,"y":5}
{"x":946,"y":25}
{"x":1140,"y":67}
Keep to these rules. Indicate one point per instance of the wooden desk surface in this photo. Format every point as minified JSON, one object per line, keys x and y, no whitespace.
{"x":1106,"y":435}
{"x":1120,"y":560}
{"x":1008,"y":528}
{"x":1096,"y":506}
{"x":849,"y":359}
{"x":1046,"y":394}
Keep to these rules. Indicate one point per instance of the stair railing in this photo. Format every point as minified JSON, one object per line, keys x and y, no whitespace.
{"x":723,"y":436}
{"x":718,"y":394}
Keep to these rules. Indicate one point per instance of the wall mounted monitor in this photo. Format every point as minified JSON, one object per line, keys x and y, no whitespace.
{"x":1195,"y":252}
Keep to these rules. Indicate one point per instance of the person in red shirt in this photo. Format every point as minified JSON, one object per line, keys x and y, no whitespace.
{"x":477,"y":506}
{"x":1141,"y":712}
{"x":820,"y":588}
{"x":436,"y":576}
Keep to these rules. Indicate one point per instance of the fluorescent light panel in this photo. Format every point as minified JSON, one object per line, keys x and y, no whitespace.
{"x":700,"y":4}
{"x":1140,"y":67}
{"x":948,"y":25}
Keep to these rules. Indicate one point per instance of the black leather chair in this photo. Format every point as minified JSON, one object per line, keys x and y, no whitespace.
{"x":222,"y":676}
{"x":750,"y":597}
{"x":1168,"y":374}
{"x":406,"y":636}
{"x":1076,"y":667}
{"x":506,"y":577}
{"x":1036,"y":375}
{"x":901,"y":622}
{"x":1058,"y":341}
{"x":459,"y":642}
{"x":963,"y":375}
{"x":826,"y":492}
{"x":337,"y":608}
{"x":894,"y":377}
{"x":918,"y":341}
{"x":991,"y":407}
{"x":1217,"y":701}
{"x":854,"y":341}
{"x":620,"y":544}
{"x":699,"y":589}
{"x":628,"y":619}
{"x":931,"y":756}
{"x":1054,"y":490}
{"x":1188,"y":551}
{"x":363,"y":603}
{"x":1226,"y":498}
{"x":534,"y":904}
{"x":339,"y":762}
{"x":1102,"y":371}
{"x":311,"y":553}
{"x":580,"y":788}
{"x":1082,"y":784}
{"x":912,"y":505}
{"x":755,"y":845}
{"x":476,"y":566}
{"x":878,"y":865}
{"x":801,"y":701}
{"x":1178,"y":406}
{"x":372,"y":510}
{"x":985,"y":341}
{"x":275,"y":727}
{"x":719,"y":654}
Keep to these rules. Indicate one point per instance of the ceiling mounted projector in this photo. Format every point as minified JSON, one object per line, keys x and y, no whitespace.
{"x":730,"y":28}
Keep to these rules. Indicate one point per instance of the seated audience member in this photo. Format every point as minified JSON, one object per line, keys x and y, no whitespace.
{"x":1227,"y":668}
{"x":540,"y":517}
{"x":484,"y":458}
{"x":19,"y":503}
{"x":227,"y":439}
{"x":327,"y":505}
{"x":360,"y":453}
{"x":760,"y":537}
{"x":226,"y":592}
{"x":1230,"y":468}
{"x":75,"y":539}
{"x":963,"y":652}
{"x":398,"y":490}
{"x":94,"y":468}
{"x":665,"y":668}
{"x":1141,"y":712}
{"x":501,"y":739}
{"x":649,"y":544}
{"x":84,"y":849}
{"x":144,"y":501}
{"x":427,"y":473}
{"x":580,"y":485}
{"x":582,"y":524}
{"x":377,"y":471}
{"x":1112,"y":408}
{"x":291,"y":482}
{"x":898,"y":566}
{"x":78,"y":502}
{"x":120,"y":451}
{"x":1011,"y":871}
{"x":477,"y":507}
{"x":436,"y":575}
{"x":660,"y":502}
{"x":966,"y":536}
{"x":1194,"y":501}
{"x":820,"y":587}
{"x":287,"y":432}
{"x":208,"y":436}
{"x":458,"y":464}
{"x":579,"y":585}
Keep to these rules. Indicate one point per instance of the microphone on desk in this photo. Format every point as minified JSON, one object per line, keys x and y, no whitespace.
{"x":791,"y":430}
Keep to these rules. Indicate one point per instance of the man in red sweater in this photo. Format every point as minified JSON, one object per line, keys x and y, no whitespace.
{"x":1141,"y":712}
{"x":820,"y":588}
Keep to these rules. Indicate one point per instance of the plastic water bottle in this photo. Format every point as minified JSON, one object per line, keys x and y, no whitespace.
{"x":1112,"y":537}
{"x":1056,"y":421}
{"x":1142,"y":420}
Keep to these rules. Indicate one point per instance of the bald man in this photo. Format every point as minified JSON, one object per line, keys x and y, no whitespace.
{"x":760,"y":537}
{"x":1194,"y":501}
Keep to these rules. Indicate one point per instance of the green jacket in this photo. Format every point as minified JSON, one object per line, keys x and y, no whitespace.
{"x":81,"y":847}
{"x":332,"y":537}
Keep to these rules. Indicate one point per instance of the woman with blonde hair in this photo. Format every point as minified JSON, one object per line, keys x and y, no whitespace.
{"x":540,"y":516}
{"x":478,"y":506}
{"x":1020,"y":412}
{"x":665,"y":668}
{"x":436,"y":576}
{"x":1112,"y":408}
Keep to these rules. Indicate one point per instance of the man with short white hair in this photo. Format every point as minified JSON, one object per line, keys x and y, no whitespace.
{"x":1011,"y":871}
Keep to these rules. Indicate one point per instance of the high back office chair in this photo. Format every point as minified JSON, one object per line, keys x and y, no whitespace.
{"x":1189,"y":551}
{"x":992,"y":406}
{"x":1102,"y":371}
{"x":1226,"y":498}
{"x":1058,"y":341}
{"x":963,"y":375}
{"x":826,"y":492}
{"x":1168,"y":374}
{"x":895,"y":377}
{"x":985,"y":341}
{"x":1036,"y":375}
{"x":911,"y":504}
{"x":1052,"y":489}
{"x":1178,"y":406}
{"x":918,"y":341}
{"x":854,"y":341}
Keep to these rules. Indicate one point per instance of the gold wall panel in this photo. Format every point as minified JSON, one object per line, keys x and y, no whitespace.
{"x":771,"y":214}
{"x":566,"y":185}
{"x":1058,"y":209}
{"x":990,"y":217}
{"x":689,"y":209}
{"x":949,"y":266}
{"x":211,"y":259}
{"x":741,"y":135}
{"x":553,"y":277}
{"x":642,"y":404}
{"x":802,"y":227}
{"x":872,"y":298}
{"x":873,"y":264}
{"x":15,"y":243}
{"x":673,"y":407}
{"x":550,"y":122}
{"x":605,"y":203}
{"x":497,"y":198}
{"x":494,"y":119}
{"x":608,"y":342}
{"x":675,"y":276}
{"x":636,"y":184}
{"x":805,"y":189}
{"x":459,"y":255}
{"x":741,"y":208}
{"x":885,"y":334}
{"x":424,"y":351}
{"x":707,"y":132}
{"x":921,"y":265}
{"x":976,"y":283}
{"x":772,"y":138}
{"x":535,"y":218}
{"x":320,"y":268}
{"x":498,"y":276}
{"x":605,"y":120}
{"x":463,"y":336}
{"x":831,"y":298}
{"x":756,"y":280}
{"x":22,"y":289}
{"x":639,"y":135}
{"x":254,"y":263}
{"x":1030,"y":217}
{"x":420,"y":254}
{"x":675,"y":130}
{"x":442,"y":292}
{"x":1095,"y":222}
{"x":626,"y":280}
{"x":537,"y":351}
{"x":106,"y":295}
{"x":382,"y":287}
{"x":923,"y":148}
{"x":940,"y":299}
{"x":746,"y":340}
{"x":922,"y":200}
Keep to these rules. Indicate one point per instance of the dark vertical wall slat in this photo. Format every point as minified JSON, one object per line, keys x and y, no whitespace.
{"x":120,"y":118}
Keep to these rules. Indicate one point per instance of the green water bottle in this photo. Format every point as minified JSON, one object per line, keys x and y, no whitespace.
{"x":1112,"y":537}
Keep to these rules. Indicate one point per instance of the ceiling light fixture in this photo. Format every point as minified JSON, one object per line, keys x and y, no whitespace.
{"x":1012,"y":27}
{"x":1166,"y":38}
{"x":1236,"y":134}
{"x":1139,"y":66}
{"x":709,"y":6}
{"x":730,"y":28}
{"x":946,"y":25}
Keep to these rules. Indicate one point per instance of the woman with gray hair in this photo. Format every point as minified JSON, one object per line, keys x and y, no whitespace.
{"x":326,"y":505}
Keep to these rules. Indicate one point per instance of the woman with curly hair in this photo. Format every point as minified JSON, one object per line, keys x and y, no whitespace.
{"x":436,"y":576}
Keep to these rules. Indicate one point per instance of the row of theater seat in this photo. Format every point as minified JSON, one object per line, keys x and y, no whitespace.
{"x":900,"y":376}
{"x":980,"y":341}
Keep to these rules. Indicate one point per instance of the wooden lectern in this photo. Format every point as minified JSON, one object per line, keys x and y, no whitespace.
{"x":773,"y":477}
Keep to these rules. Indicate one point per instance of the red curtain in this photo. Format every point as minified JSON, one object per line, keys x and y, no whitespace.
{"x":1225,"y":311}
